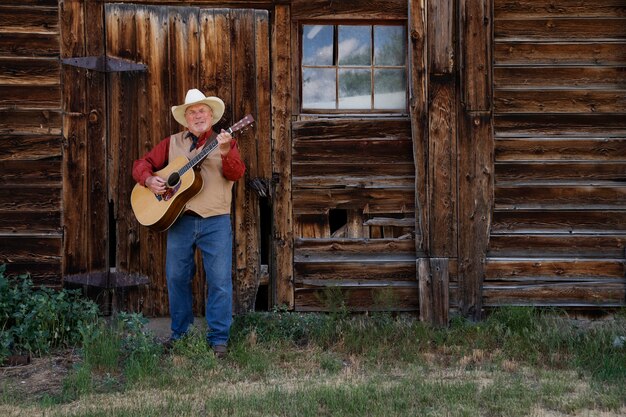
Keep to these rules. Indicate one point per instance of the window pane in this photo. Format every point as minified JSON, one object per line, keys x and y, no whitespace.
{"x":389,"y":89}
{"x":318,"y":88}
{"x":355,"y":45}
{"x":317,"y":45}
{"x":389,"y":45}
{"x":355,"y":89}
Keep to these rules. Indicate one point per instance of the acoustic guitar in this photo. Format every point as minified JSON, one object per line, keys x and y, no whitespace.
{"x":159,"y":212}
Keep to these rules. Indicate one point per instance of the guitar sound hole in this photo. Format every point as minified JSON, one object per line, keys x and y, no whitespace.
{"x":173,"y":180}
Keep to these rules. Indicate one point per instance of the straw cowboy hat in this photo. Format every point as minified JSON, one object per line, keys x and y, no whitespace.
{"x":193,"y":97}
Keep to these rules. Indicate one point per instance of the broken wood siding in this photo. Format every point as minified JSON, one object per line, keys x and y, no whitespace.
{"x":353,"y":191}
{"x":559,"y":220}
{"x":31,"y":231}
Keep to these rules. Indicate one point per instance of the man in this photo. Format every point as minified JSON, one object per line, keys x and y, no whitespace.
{"x":205,"y":222}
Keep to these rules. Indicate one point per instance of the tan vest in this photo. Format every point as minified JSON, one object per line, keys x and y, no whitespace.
{"x":216,"y":194}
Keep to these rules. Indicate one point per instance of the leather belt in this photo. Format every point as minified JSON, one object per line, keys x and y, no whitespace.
{"x":191,"y":213}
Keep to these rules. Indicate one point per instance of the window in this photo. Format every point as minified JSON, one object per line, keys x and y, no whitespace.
{"x":354,"y":67}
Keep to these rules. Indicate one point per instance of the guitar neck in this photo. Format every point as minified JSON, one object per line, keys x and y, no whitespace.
{"x":208,"y":148}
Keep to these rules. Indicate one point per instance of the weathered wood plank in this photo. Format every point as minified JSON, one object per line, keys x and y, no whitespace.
{"x":39,"y":122}
{"x":355,"y":245}
{"x":548,"y":171}
{"x":549,"y":245}
{"x":442,"y":171}
{"x":31,"y":172}
{"x":282,"y":233}
{"x":589,"y":125}
{"x":534,"y":196}
{"x":579,"y":294}
{"x":562,"y":8}
{"x":95,"y":95}
{"x":572,"y":77}
{"x":374,"y":171}
{"x":27,"y":71}
{"x":31,"y":96}
{"x":476,"y":184}
{"x":475,"y":35}
{"x":559,"y":53}
{"x":565,"y":222}
{"x":418,"y":108}
{"x":575,"y":149}
{"x":29,"y":45}
{"x":373,"y":200}
{"x":360,"y":269}
{"x":120,"y":28}
{"x":31,"y":198}
{"x":311,"y":226}
{"x":348,"y":9}
{"x":263,"y":110}
{"x":148,"y":42}
{"x":546,"y":100}
{"x":561,"y":29}
{"x":441,"y":33}
{"x":351,"y":128}
{"x":358,"y":299}
{"x":216,"y":67}
{"x":183,"y":52}
{"x":565,"y":270}
{"x":42,"y":273}
{"x":29,"y":19}
{"x":29,"y":220}
{"x":357,"y":151}
{"x":247,"y":217}
{"x":351,"y":181}
{"x":30,"y":147}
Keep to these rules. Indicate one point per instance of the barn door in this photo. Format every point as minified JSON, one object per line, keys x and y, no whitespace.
{"x":222,"y":52}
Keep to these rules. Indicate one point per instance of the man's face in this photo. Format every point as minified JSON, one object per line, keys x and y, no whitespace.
{"x":199,"y":118}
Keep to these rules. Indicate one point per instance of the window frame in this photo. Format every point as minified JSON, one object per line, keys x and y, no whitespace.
{"x":299,"y":69}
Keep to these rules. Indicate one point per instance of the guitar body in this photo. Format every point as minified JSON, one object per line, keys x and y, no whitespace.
{"x":160,"y":212}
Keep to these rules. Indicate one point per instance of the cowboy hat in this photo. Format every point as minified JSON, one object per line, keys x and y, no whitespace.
{"x":193,"y":97}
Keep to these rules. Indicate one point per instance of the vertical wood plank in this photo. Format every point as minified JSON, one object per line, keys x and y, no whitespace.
{"x":247,"y":226}
{"x":442,"y":154}
{"x":354,"y":225}
{"x":441,"y":36}
{"x":263,"y":111}
{"x":282,"y":209}
{"x":476,"y":145}
{"x":74,"y":106}
{"x":419,"y":118}
{"x":439,"y":271}
{"x":475,"y":38}
{"x":425,"y":290}
{"x":475,"y":203}
{"x":154,"y":122}
{"x":98,"y":215}
{"x":184,"y":46}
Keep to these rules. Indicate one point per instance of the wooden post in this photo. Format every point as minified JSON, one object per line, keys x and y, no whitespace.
{"x":433,"y":290}
{"x":282,"y":209}
{"x":475,"y":147}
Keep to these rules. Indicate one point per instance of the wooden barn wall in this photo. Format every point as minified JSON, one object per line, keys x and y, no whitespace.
{"x":224,"y":52}
{"x":31,"y":232}
{"x":353,"y":192}
{"x":559,"y":222}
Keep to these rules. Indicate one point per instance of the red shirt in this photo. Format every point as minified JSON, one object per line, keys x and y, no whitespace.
{"x":233,"y":167}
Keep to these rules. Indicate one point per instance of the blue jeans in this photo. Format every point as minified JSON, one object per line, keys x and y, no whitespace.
{"x":213,"y":236}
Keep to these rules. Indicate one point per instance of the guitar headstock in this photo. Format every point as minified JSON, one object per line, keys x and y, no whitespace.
{"x":243,"y":124}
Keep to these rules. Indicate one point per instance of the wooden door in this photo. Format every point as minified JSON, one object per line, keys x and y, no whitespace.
{"x":222,"y":52}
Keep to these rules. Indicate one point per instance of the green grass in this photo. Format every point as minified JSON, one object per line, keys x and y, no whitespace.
{"x":517,"y":362}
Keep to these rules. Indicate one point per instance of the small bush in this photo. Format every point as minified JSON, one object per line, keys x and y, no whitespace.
{"x":35,"y":320}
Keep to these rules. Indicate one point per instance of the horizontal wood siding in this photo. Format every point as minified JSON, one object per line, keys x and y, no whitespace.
{"x":31,"y":228}
{"x":558,"y":234}
{"x":353,"y":202}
